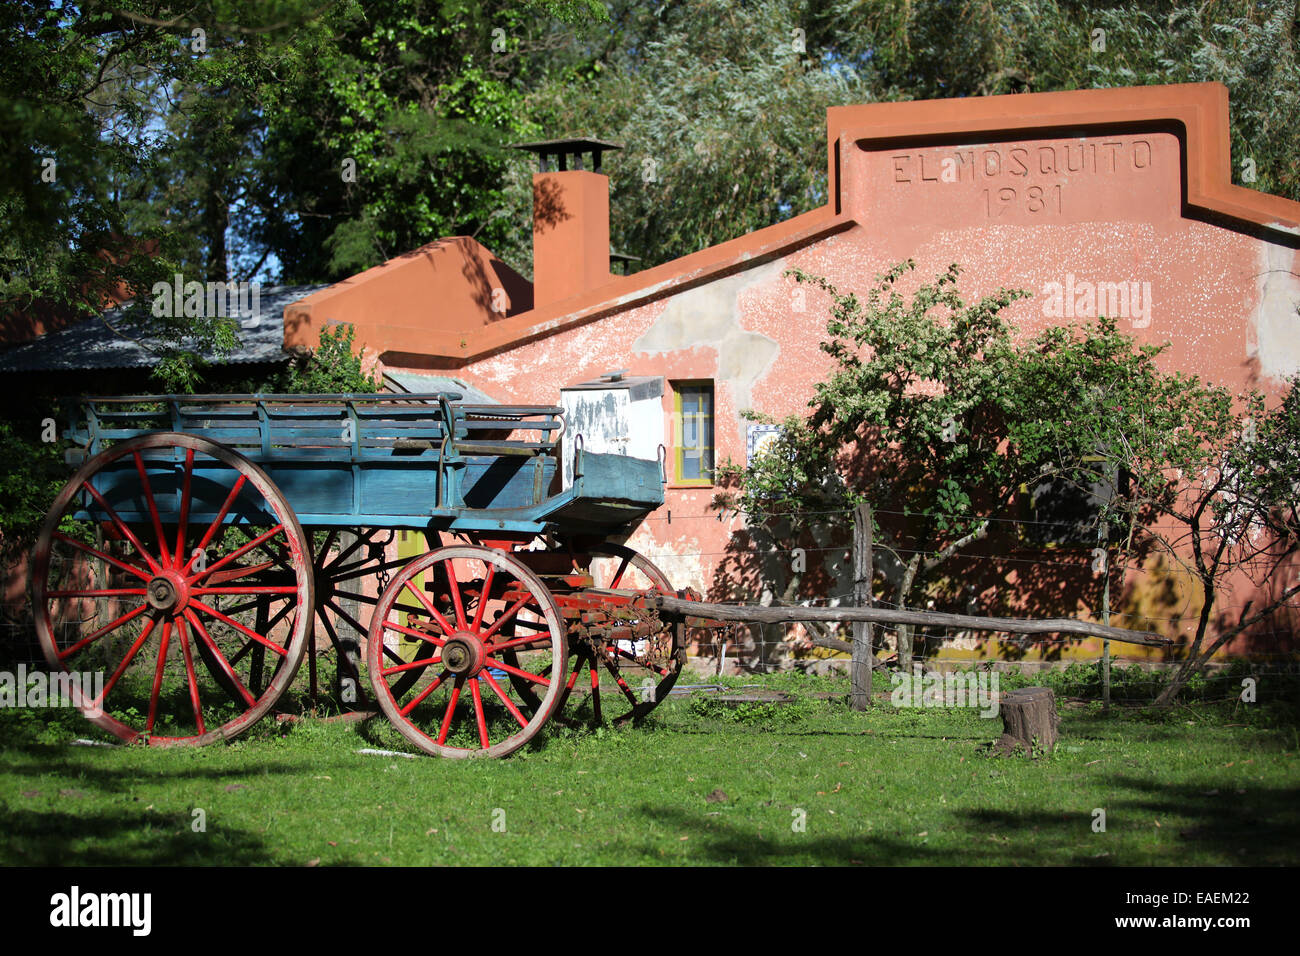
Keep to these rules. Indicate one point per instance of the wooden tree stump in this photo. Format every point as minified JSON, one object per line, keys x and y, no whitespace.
{"x":1029,"y":721}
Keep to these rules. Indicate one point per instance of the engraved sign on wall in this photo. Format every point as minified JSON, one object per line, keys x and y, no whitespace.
{"x":1028,"y":182}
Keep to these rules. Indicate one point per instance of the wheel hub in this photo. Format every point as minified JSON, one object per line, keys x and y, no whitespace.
{"x":167,"y":593}
{"x":463,"y":654}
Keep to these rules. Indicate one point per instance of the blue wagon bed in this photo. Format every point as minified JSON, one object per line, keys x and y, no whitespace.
{"x":207,"y":543}
{"x":385,"y":460}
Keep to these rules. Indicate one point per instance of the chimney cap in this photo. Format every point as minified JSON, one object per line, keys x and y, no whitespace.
{"x":622,"y":257}
{"x":562,"y":149}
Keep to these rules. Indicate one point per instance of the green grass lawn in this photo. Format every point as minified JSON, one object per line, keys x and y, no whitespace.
{"x":693,"y":785}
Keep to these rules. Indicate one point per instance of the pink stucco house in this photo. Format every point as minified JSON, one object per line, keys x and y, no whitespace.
{"x":1128,"y":190}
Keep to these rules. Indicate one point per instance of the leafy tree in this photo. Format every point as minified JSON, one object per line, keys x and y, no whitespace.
{"x":392,"y":136}
{"x":1268,"y":461}
{"x":66,"y":144}
{"x":145,"y":139}
{"x":1213,"y":480}
{"x":916,"y":410}
{"x":124,"y":127}
{"x":330,"y":368}
{"x":930,"y":49}
{"x":31,"y":477}
{"x":935,"y":405}
{"x":723,"y":124}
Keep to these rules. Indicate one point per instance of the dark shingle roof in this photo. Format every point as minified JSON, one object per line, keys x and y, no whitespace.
{"x":92,"y":344}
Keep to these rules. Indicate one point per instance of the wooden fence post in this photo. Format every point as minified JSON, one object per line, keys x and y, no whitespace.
{"x":860,"y":665}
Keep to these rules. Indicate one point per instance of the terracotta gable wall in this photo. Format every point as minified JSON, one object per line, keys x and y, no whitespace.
{"x":437,"y":293}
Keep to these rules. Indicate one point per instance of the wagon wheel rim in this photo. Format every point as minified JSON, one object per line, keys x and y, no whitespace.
{"x":462,"y":705}
{"x":151,"y":518}
{"x":634,"y":698}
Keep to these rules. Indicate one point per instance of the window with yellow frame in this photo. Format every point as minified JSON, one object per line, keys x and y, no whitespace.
{"x":693,"y":432}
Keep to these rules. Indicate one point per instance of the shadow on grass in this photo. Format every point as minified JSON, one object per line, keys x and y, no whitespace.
{"x":721,"y":842}
{"x":123,"y":780}
{"x":1259,"y":828}
{"x":125,"y":837}
{"x":1264,"y":822}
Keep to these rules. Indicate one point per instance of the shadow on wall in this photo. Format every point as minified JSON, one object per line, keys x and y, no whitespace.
{"x":548,"y":205}
{"x":451,"y":286}
{"x":495,"y":288}
{"x":1002,"y":576}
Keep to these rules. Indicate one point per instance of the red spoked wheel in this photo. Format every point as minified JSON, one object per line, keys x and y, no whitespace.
{"x":173,"y":579}
{"x":466,"y":608}
{"x":635,"y":673}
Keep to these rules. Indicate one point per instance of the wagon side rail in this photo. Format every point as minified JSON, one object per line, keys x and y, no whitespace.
{"x":342,"y":426}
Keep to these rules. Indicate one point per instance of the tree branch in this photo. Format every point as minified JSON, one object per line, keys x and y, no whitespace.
{"x":185,"y":24}
{"x":978,"y":534}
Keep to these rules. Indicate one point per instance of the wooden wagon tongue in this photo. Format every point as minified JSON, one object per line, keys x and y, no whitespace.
{"x":714,"y":615}
{"x":615,"y":614}
{"x":624,"y":618}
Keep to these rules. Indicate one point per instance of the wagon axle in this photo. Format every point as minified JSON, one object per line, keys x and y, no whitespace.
{"x":168,"y":592}
{"x":463,"y":654}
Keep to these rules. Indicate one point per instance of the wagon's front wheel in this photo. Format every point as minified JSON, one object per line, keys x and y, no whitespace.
{"x":172,"y":584}
{"x":479,"y":621}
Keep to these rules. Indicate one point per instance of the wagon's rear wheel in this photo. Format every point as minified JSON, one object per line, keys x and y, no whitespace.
{"x":342,"y":562}
{"x":172,"y":579}
{"x":459,"y":602}
{"x":625,"y":679}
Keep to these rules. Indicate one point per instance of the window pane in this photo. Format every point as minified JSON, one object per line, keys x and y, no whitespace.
{"x":695,"y":433}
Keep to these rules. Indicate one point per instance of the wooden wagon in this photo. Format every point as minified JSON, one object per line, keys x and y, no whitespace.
{"x":206,"y":544}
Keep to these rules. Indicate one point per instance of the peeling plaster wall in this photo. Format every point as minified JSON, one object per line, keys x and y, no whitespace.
{"x":1277,"y":319}
{"x":711,"y":316}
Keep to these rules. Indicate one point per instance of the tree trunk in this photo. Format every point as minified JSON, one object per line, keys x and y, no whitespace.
{"x":1029,"y":721}
{"x":905,"y":630}
{"x":216,"y":219}
{"x":1189,"y":666}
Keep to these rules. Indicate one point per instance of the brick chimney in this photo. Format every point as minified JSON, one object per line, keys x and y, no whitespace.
{"x":571,"y":252}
